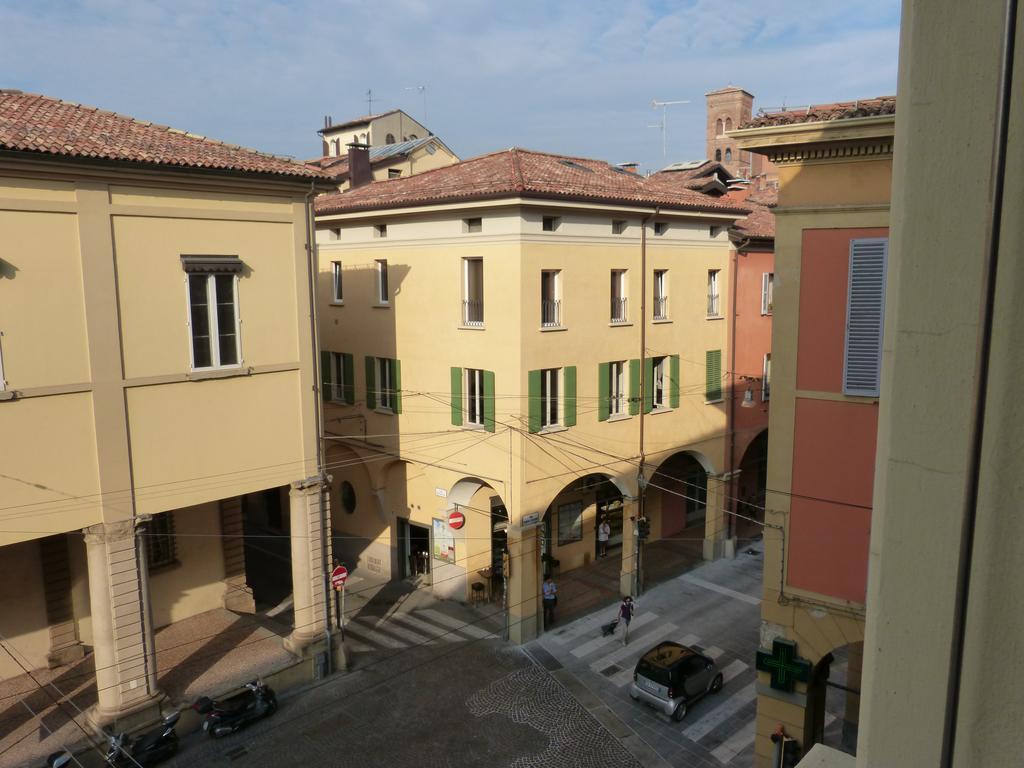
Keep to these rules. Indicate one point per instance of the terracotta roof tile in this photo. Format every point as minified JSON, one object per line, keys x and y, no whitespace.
{"x":818,"y":113}
{"x":41,"y":124}
{"x":520,"y":172}
{"x":760,"y":223}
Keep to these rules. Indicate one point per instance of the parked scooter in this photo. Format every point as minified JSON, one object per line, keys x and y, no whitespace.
{"x":147,"y":749}
{"x":60,"y":759}
{"x":223,"y":717}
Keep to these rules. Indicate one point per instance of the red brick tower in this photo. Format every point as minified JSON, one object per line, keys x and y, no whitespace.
{"x":727,"y":109}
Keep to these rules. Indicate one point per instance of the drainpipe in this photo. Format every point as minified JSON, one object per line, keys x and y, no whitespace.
{"x":318,"y":415}
{"x":730,"y":520}
{"x":641,"y":481}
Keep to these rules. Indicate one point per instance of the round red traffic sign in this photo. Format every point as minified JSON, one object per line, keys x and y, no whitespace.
{"x":456,"y":520}
{"x":339,"y":576}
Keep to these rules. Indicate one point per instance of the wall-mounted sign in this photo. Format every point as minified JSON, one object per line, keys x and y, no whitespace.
{"x":443,"y":542}
{"x":531,"y":520}
{"x":456,"y":520}
{"x":785,"y":666}
{"x":441,"y":492}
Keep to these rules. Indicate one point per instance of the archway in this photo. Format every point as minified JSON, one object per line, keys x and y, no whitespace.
{"x":750,"y":490}
{"x":833,"y":699}
{"x":675,"y":504}
{"x":361,"y":532}
{"x":479,"y":542}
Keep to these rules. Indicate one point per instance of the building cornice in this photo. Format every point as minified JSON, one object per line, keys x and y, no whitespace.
{"x":859,"y":138}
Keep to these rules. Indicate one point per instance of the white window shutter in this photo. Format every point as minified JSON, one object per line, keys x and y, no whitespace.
{"x":865,"y":310}
{"x":765,"y":309}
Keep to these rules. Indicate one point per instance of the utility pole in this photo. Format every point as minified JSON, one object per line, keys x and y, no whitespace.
{"x":664,"y":122}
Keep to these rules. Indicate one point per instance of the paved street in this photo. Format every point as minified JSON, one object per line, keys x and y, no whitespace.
{"x":715,"y":607}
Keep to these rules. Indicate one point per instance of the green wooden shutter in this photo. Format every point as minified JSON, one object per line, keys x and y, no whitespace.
{"x":456,"y":396}
{"x":634,"y":387}
{"x":673,"y":382}
{"x":396,"y":382}
{"x":371,"y":386}
{"x":713,"y":368}
{"x":533,"y":406}
{"x":648,"y":384}
{"x":569,"y":375}
{"x":348,"y":378}
{"x":326,"y":385}
{"x":489,"y":401}
{"x":603,"y":390}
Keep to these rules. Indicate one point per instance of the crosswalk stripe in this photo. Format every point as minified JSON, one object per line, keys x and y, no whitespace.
{"x":739,"y":741}
{"x":713,"y":652}
{"x":733,"y":669}
{"x":720,"y":589}
{"x":416,"y":638}
{"x":576,"y":629}
{"x":706,"y":724}
{"x":472,"y":630}
{"x":642,"y":642}
{"x":624,"y":676}
{"x":427,"y":628}
{"x":592,"y":645}
{"x":356,"y":645}
{"x":373,"y":636}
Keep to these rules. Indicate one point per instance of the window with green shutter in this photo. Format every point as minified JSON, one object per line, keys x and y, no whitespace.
{"x":648,"y":384}
{"x":569,"y":415}
{"x":349,"y":379}
{"x":673,"y":382}
{"x":611,"y":389}
{"x":456,"y":374}
{"x":371,"y":383}
{"x":603,"y":391}
{"x":337,"y":377}
{"x":713,"y":372}
{"x":634,"y":387}
{"x":489,"y":416}
{"x":326,"y":385}
{"x":534,"y":405}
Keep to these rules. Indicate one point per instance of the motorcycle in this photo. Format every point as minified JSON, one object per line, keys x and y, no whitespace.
{"x":223,"y":717}
{"x":147,"y":749}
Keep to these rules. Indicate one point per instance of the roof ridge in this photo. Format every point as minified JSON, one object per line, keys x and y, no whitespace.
{"x":517,"y":170}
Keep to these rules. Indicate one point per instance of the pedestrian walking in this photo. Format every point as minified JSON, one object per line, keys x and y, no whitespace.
{"x":550,"y":595}
{"x":604,"y":532}
{"x":626,"y":611}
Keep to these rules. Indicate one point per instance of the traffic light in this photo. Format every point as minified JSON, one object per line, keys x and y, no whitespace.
{"x":643,"y":528}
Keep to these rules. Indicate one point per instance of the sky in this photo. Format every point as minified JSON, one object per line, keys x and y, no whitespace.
{"x":574,"y":76}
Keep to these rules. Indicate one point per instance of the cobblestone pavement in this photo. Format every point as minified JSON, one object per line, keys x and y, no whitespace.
{"x":716,"y":608}
{"x":431,"y":687}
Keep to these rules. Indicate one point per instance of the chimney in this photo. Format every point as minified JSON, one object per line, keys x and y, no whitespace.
{"x":631,"y":167}
{"x":359,"y":173}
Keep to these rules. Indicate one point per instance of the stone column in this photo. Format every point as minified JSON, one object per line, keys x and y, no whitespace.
{"x":715,"y":517}
{"x":627,"y":582}
{"x":121,"y":626}
{"x":237,"y":593}
{"x":308,"y":521}
{"x":65,"y":646}
{"x":523,"y":598}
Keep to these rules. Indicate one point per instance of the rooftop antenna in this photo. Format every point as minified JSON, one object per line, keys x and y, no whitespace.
{"x":369,"y":101}
{"x":423,"y":92}
{"x":664,"y":122}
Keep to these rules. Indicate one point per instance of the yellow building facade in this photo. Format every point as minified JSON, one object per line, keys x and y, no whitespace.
{"x":483,"y":356}
{"x":157,"y":370}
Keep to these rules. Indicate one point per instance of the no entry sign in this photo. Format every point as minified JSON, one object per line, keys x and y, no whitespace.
{"x":339,"y":576}
{"x":456,"y":520}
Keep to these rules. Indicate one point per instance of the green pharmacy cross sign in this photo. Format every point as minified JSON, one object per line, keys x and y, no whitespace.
{"x":784,"y":665}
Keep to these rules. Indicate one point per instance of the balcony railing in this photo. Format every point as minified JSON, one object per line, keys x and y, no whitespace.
{"x":661,"y":307}
{"x":550,"y":313}
{"x":619,"y":310}
{"x":472,"y":312}
{"x":713,"y":305}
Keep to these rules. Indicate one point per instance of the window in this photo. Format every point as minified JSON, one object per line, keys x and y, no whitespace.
{"x":570,"y":522}
{"x":383,"y":384}
{"x":338,"y":377}
{"x":160,"y":542}
{"x":766,"y":377}
{"x":713,"y":304}
{"x":549,"y":223}
{"x":550,"y":298}
{"x":728,"y":123}
{"x":348,"y":497}
{"x":334,"y":233}
{"x":659,"y":382}
{"x":713,"y":375}
{"x":618,"y":226}
{"x":718,"y":127}
{"x":473,"y":291}
{"x":475,"y":224}
{"x":728,"y":155}
{"x":714,"y":231}
{"x":718,"y":155}
{"x":380,"y":230}
{"x":767,"y":289}
{"x":389,"y":139}
{"x":661,"y":294}
{"x":660,"y":228}
{"x":865,"y":316}
{"x":383,"y":295}
{"x":552,"y":398}
{"x":611,"y":389}
{"x":473,"y":398}
{"x":394,"y":173}
{"x":413,"y":137}
{"x":213,"y":320}
{"x":618,"y":309}
{"x":337,"y":287}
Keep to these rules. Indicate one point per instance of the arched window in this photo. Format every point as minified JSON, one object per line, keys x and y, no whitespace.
{"x":413,"y":137}
{"x":718,"y":127}
{"x":728,"y":155}
{"x":728,"y":123}
{"x":355,"y":139}
{"x":389,"y":139}
{"x":718,"y":155}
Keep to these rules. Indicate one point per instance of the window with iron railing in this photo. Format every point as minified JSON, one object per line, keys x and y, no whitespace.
{"x":550,"y":298}
{"x":661,"y":294}
{"x":618,"y":296}
{"x":473,"y":292}
{"x":713,"y":296}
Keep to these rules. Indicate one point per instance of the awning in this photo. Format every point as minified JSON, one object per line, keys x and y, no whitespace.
{"x":222,"y":265}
